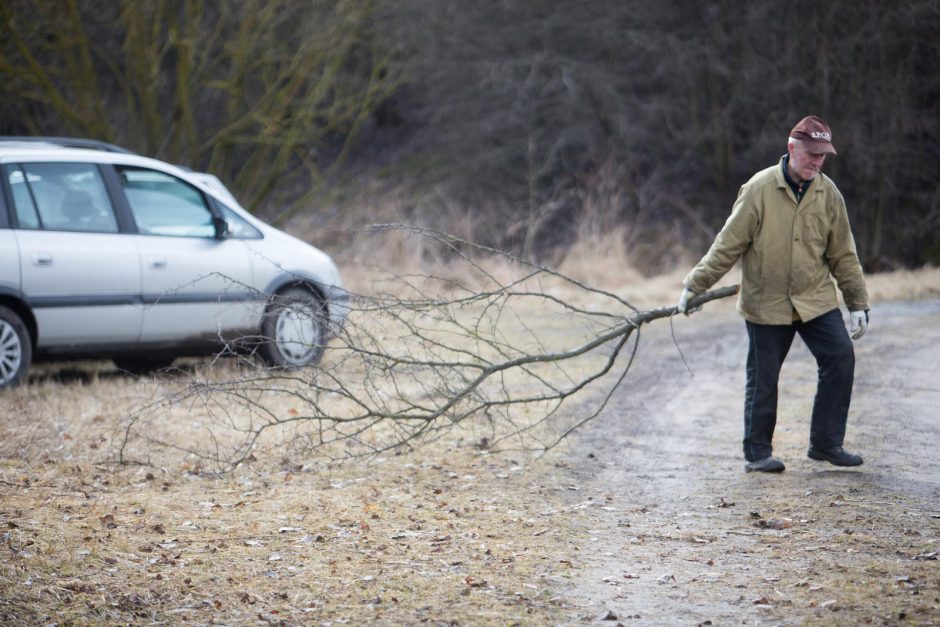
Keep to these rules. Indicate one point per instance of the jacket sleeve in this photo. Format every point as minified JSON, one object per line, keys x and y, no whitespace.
{"x":731,"y":242}
{"x":842,"y":257}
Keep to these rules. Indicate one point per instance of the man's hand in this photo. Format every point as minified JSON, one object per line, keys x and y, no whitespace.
{"x":859,"y":323}
{"x":683,"y":305}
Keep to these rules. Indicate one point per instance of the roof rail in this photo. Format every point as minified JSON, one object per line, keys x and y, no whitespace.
{"x":69,"y":142}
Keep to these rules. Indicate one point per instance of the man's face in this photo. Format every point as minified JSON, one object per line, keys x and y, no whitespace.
{"x":805,"y":162}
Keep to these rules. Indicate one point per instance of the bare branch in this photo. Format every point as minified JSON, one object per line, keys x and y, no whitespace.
{"x":462,"y":354}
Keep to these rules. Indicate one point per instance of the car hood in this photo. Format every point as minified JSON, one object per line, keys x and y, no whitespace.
{"x":293,"y":256}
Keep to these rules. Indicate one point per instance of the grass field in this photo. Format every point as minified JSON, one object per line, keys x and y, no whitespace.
{"x":452,"y":532}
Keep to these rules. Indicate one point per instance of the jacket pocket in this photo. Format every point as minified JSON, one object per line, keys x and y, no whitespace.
{"x":816,"y":230}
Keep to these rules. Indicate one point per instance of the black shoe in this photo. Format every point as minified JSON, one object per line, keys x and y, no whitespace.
{"x":768,"y":464}
{"x":836,"y":456}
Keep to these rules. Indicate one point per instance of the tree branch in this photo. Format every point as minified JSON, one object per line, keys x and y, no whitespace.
{"x":459,"y":354}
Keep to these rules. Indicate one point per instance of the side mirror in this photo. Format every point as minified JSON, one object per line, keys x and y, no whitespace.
{"x":220,"y":226}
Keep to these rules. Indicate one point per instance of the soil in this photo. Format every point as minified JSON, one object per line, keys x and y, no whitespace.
{"x":682,"y":535}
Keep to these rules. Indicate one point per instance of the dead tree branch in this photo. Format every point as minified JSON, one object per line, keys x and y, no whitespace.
{"x":464,"y":353}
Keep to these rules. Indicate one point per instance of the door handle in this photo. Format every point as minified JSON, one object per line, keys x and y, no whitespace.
{"x":42,"y":259}
{"x":158,"y":264}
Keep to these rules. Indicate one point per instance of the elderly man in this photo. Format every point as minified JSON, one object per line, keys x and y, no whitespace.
{"x":790,"y":230}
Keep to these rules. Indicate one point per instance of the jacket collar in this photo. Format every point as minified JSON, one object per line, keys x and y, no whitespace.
{"x":784,"y":181}
{"x":799,"y":189}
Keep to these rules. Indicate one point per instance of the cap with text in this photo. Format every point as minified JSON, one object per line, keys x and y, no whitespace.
{"x":815,"y":133}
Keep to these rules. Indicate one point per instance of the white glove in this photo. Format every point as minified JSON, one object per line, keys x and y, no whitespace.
{"x":859,"y":323}
{"x":683,"y":305}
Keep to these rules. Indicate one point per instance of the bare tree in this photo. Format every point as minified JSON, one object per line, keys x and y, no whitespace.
{"x":465,"y":353}
{"x":527,"y":106}
{"x":265,"y":94}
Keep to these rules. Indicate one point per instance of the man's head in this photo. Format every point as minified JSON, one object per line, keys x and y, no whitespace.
{"x":810,"y":142}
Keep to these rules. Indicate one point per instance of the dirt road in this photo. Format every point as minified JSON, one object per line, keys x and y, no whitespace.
{"x":684,"y":536}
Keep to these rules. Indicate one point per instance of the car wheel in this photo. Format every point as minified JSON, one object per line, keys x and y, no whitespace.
{"x":142,"y":365}
{"x":293,"y":331}
{"x":16,"y":349}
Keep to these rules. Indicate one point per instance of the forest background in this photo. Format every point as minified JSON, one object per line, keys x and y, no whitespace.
{"x":524,"y":125}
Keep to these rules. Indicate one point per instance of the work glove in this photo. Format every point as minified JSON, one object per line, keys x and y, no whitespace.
{"x":683,"y":305}
{"x":859,"y":323}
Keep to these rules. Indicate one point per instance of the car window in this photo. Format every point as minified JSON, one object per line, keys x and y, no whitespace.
{"x":61,"y":197}
{"x":165,"y":205}
{"x":238,"y":227}
{"x":26,"y":214}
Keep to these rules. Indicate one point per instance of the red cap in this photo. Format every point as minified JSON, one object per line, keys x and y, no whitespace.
{"x":815,"y":133}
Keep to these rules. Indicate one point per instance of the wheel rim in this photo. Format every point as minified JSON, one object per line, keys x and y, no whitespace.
{"x":298,"y":333}
{"x":11,"y":352}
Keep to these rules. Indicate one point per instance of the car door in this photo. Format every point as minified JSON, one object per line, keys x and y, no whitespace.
{"x":80,"y":275}
{"x":9,"y":253}
{"x":196,"y":286}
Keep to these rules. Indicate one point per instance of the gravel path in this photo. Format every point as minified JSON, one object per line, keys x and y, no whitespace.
{"x":684,"y":536}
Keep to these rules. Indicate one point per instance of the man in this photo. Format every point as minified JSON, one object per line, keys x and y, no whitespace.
{"x":790,"y":230}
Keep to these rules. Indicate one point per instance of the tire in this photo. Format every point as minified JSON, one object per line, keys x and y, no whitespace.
{"x":293,"y":331}
{"x":16,"y":349}
{"x":139,"y":365}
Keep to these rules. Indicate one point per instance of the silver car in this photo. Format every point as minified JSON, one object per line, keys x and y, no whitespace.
{"x":108,"y":254}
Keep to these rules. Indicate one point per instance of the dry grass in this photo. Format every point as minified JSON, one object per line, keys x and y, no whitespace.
{"x":600,"y":260}
{"x":437,"y":535}
{"x":450,"y":533}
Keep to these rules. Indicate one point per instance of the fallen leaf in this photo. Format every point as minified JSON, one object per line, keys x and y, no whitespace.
{"x":665,"y":579}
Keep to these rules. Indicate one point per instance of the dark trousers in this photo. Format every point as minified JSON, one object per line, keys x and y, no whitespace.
{"x":829,"y":343}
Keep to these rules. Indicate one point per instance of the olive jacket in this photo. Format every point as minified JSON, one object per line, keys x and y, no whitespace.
{"x":789,"y":251}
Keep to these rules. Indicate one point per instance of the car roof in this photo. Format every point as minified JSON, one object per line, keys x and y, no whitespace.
{"x":40,"y":142}
{"x":14,"y":152}
{"x":32,"y":149}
